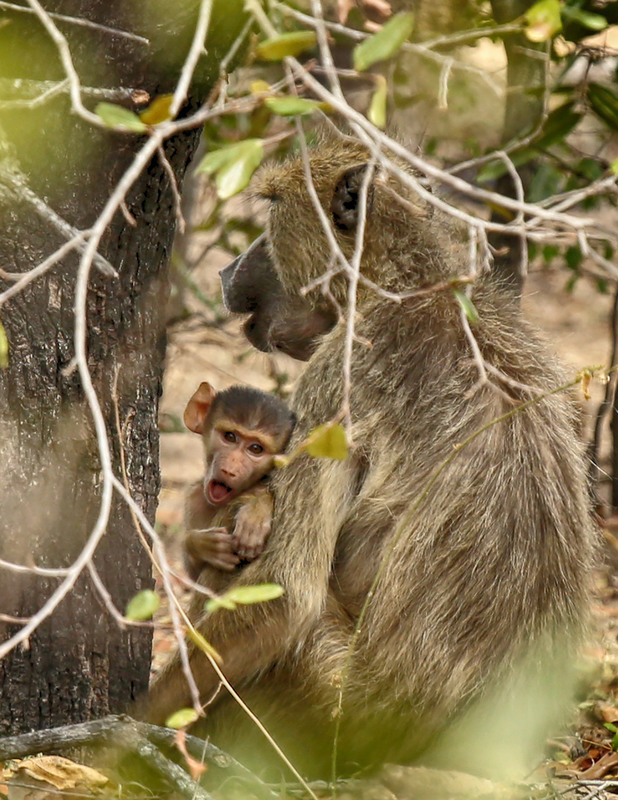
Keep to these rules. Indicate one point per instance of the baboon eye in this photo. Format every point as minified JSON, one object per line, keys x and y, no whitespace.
{"x":229,"y":436}
{"x":256,"y":449}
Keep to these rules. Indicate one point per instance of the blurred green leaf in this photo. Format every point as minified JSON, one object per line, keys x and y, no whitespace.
{"x":233,"y":165}
{"x":545,"y":182}
{"x":181,"y":718}
{"x":377,"y":108}
{"x":558,"y":124}
{"x":328,"y":441}
{"x":543,"y":20}
{"x":467,"y":306}
{"x":385,"y":43}
{"x":142,"y":605}
{"x":286,"y":44}
{"x":118,"y":117}
{"x":550,"y":251}
{"x":158,"y":110}
{"x":573,"y":257}
{"x":291,"y":106}
{"x":595,"y":22}
{"x":614,"y":167}
{"x":604,"y":103}
{"x":245,"y":595}
{"x":4,"y":348}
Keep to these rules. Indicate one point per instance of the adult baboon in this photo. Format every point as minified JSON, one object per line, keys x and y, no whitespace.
{"x":483,"y":593}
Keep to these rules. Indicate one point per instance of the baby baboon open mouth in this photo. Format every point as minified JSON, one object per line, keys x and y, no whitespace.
{"x":217,"y":492}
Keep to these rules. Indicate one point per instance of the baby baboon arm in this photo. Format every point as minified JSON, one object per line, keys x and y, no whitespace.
{"x":207,"y":542}
{"x":209,"y":547}
{"x":253,"y":522}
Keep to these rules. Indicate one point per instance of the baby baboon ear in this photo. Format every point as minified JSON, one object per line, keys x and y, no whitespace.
{"x":344,"y":205}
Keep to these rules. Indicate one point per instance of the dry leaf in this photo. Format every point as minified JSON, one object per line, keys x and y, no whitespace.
{"x":44,"y":776}
{"x":196,"y":768}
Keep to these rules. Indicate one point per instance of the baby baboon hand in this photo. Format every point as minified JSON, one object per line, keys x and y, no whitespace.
{"x":213,"y":546}
{"x":252,"y":526}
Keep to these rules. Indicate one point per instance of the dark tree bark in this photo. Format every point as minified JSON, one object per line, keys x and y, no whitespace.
{"x":78,"y":663}
{"x":525,"y":77}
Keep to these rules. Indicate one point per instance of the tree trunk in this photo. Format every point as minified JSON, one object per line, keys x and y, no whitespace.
{"x":525,"y":77}
{"x":79,"y":664}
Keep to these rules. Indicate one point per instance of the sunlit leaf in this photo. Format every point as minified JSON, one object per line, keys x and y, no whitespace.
{"x":142,"y":605}
{"x":328,"y":441}
{"x":385,"y":43}
{"x":291,"y":106}
{"x":259,"y":87}
{"x":119,"y":117}
{"x":467,"y":306}
{"x":377,"y":108}
{"x":614,"y":167}
{"x":595,"y":22}
{"x":4,"y":348}
{"x":286,"y":44}
{"x":158,"y":110}
{"x":181,"y":718}
{"x":543,"y":20}
{"x":233,"y":165}
{"x":245,"y":595}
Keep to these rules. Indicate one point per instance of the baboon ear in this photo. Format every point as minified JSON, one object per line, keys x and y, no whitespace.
{"x":344,"y":205}
{"x":198,"y":407}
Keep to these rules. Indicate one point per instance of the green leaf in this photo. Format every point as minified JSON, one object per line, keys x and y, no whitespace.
{"x":573,"y":257}
{"x":181,"y":718}
{"x":614,"y":167}
{"x":328,"y":441}
{"x":377,"y":108}
{"x":118,"y":117}
{"x":142,"y":605}
{"x":385,"y":43}
{"x":4,"y":348}
{"x":158,"y":110}
{"x":286,"y":44}
{"x":550,"y":251}
{"x":604,"y":103}
{"x":291,"y":106}
{"x":233,"y":165}
{"x":543,"y":20}
{"x":467,"y":306}
{"x":595,"y":22}
{"x":245,"y":595}
{"x":558,"y":124}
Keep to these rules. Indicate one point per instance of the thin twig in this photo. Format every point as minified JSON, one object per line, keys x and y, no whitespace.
{"x":80,"y":22}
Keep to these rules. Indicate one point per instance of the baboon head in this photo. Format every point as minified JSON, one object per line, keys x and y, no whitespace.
{"x":267,"y":281}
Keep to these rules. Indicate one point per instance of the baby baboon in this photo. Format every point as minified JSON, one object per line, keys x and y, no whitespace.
{"x":228,"y":513}
{"x":484,"y":582}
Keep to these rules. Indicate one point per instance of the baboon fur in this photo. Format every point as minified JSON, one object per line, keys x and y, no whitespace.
{"x":470,"y":636}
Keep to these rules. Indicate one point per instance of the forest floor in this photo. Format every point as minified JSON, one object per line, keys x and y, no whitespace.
{"x":575,"y":325}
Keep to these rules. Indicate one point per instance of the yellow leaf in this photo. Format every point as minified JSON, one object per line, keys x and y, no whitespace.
{"x":158,"y":110}
{"x":4,"y":348}
{"x":377,"y":108}
{"x":201,"y":643}
{"x":259,"y":87}
{"x":328,"y":441}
